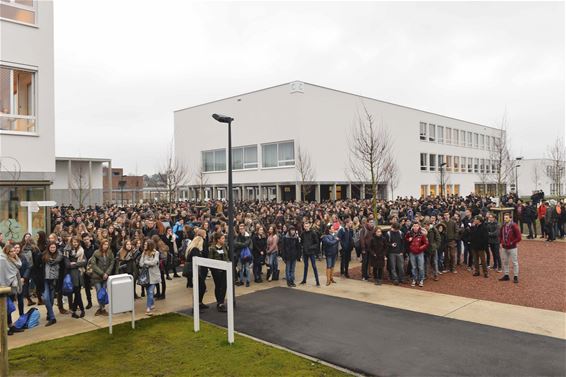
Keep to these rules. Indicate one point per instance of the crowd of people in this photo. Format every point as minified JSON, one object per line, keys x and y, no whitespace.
{"x":405,"y":241}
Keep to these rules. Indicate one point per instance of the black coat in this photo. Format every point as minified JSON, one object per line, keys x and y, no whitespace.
{"x":377,"y":250}
{"x":479,"y":237}
{"x":291,"y":248}
{"x":311,"y":242}
{"x":259,"y":246}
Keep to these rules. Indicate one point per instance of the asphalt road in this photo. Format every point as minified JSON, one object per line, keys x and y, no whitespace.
{"x":382,"y":341}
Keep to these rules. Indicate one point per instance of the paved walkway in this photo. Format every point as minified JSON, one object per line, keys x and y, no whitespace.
{"x":383,"y":341}
{"x":512,"y":317}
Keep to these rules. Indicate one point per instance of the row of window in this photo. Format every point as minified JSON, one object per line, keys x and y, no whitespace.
{"x":447,"y":135}
{"x":434,"y":190}
{"x":457,"y":164}
{"x":273,"y":155}
{"x":17,"y":100}
{"x":18,"y":10}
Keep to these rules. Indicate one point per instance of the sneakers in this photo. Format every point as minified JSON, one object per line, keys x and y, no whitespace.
{"x":505,"y":278}
{"x":247,"y":284}
{"x":51,"y":322}
{"x":221,"y":308}
{"x":202,"y":306}
{"x":413,"y":283}
{"x":303,"y":282}
{"x":148,"y":313}
{"x":435,"y":278}
{"x":515,"y":279}
{"x":421,"y":283}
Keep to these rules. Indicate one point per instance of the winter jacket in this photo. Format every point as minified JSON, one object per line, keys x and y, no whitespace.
{"x":493,"y":231}
{"x":451,"y":230}
{"x":152,"y":263}
{"x":291,"y":248}
{"x":433,"y":237}
{"x":346,"y":239}
{"x":366,"y":235}
{"x":75,"y":270}
{"x":218,"y":253}
{"x":479,"y":237}
{"x":240,"y":242}
{"x":10,"y":273}
{"x":510,"y":235}
{"x":395,"y":242}
{"x":330,"y":245}
{"x":52,"y":266}
{"x":259,"y":246}
{"x":376,"y":252}
{"x":417,"y":242}
{"x":310,"y":242}
{"x":101,"y":264}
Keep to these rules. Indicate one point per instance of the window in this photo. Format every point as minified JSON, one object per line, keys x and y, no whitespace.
{"x":456,"y":164}
{"x":455,"y":138}
{"x":423,"y":162}
{"x":463,"y":164}
{"x":424,"y":190}
{"x":463,"y":138}
{"x":244,"y":158}
{"x":469,"y":139}
{"x":493,"y":164}
{"x":470,"y":163}
{"x":448,"y":163}
{"x":440,"y":135}
{"x":487,"y":166}
{"x":482,"y":165}
{"x":214,"y":160}
{"x":497,"y":143}
{"x":476,"y":163}
{"x":476,"y":140}
{"x":440,"y":161}
{"x":278,"y":154}
{"x":432,"y":162}
{"x":422,"y":131}
{"x":17,"y":100}
{"x":556,"y":189}
{"x":482,"y":142}
{"x":456,"y":189}
{"x":18,"y":10}
{"x":448,"y":138}
{"x":431,"y":132}
{"x":448,"y":189}
{"x":488,"y":142}
{"x":432,"y":190}
{"x":492,"y":143}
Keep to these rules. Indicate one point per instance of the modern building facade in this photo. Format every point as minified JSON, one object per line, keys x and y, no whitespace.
{"x":270,"y":125}
{"x":79,"y":181}
{"x":120,"y":188}
{"x":27,"y":130}
{"x":539,"y":174}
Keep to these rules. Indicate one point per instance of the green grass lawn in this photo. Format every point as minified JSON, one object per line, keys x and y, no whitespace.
{"x":164,"y":345}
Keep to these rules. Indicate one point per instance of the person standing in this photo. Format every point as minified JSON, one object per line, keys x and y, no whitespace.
{"x":431,"y":256}
{"x":75,"y":263}
{"x":493,"y":228}
{"x":102,"y":263}
{"x":417,"y":242}
{"x":195,"y":249}
{"x":259,"y":242}
{"x":395,"y":252}
{"x":242,"y":241}
{"x":89,"y":248}
{"x":510,"y":236}
{"x":330,"y":244}
{"x":150,"y":260}
{"x":365,"y":238}
{"x":377,"y":249}
{"x":291,"y":254}
{"x":218,"y":251}
{"x":10,"y":265}
{"x":272,"y":252}
{"x":541,"y":212}
{"x":451,"y":247}
{"x":310,"y":242}
{"x":52,"y":261}
{"x":479,"y":240}
{"x":346,"y":236}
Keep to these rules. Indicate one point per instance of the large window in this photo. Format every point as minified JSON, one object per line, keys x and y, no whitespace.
{"x":476,"y":140}
{"x":440,"y":134}
{"x":14,"y":217}
{"x":468,"y":139}
{"x":423,"y":162}
{"x":17,"y":100}
{"x":432,"y":162}
{"x":244,"y":158}
{"x":455,"y":138}
{"x":470,"y":163}
{"x":440,"y":161}
{"x":448,"y":163}
{"x":18,"y":10}
{"x":463,"y":138}
{"x":456,"y":164}
{"x":448,"y":138}
{"x":482,"y":165}
{"x":476,"y":165}
{"x":422,"y":131}
{"x":278,"y":154}
{"x":482,"y":141}
{"x":431,"y":132}
{"x":214,"y":160}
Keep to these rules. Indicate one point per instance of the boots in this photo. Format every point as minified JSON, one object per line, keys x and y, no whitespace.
{"x":268,"y":275}
{"x":328,"y":276}
{"x":332,"y":275}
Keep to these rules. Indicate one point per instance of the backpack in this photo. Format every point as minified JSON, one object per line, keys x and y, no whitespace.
{"x":246,"y":255}
{"x":357,"y":239}
{"x":67,"y":287}
{"x":28,"y":320}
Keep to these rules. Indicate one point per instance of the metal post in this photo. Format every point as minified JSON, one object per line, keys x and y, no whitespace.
{"x":231,"y":206}
{"x":4,"y":292}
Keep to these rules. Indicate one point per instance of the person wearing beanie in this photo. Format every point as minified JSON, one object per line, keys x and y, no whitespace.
{"x":479,"y":240}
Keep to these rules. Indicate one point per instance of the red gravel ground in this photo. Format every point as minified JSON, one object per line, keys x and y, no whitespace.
{"x":542,"y":279}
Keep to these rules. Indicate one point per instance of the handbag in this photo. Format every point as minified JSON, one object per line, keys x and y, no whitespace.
{"x":143,"y":278}
{"x":102,"y":296}
{"x":10,"y":304}
{"x":67,"y":287}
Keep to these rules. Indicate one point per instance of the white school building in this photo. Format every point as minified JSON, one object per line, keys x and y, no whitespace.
{"x":270,"y":124}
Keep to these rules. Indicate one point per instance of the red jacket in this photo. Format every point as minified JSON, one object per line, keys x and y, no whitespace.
{"x":510,"y":235}
{"x":541,"y":211}
{"x":417,"y":243}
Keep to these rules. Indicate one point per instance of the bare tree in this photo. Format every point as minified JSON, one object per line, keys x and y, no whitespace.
{"x":501,"y":158}
{"x":80,"y":185}
{"x":202,"y":180}
{"x":536,"y":175}
{"x":370,"y":147}
{"x":305,"y":171}
{"x":173,"y":174}
{"x":392,"y":176}
{"x":555,"y":171}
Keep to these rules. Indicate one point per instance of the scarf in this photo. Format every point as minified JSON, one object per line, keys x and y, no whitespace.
{"x":507,"y":229}
{"x":10,"y":272}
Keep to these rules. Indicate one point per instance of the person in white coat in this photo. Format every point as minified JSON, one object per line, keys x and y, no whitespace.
{"x":150,"y":260}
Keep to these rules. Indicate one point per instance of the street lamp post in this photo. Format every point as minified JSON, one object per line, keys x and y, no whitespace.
{"x":442,"y":165}
{"x":226,"y":119}
{"x":517,"y":166}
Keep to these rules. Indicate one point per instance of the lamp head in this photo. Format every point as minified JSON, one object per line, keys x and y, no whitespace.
{"x":222,"y":118}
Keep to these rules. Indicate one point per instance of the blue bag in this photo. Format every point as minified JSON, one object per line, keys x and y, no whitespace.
{"x":33,"y":319}
{"x":102,"y":296}
{"x":67,"y":285}
{"x":11,"y":306}
{"x":246,"y":255}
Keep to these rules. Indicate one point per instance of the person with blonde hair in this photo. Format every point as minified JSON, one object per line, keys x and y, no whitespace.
{"x":150,"y":260}
{"x":195,"y":249}
{"x":75,"y":263}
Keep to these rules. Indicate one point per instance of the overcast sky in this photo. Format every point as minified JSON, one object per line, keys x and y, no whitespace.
{"x":123,"y":67}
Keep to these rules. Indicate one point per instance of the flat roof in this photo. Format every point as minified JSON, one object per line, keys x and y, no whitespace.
{"x":334,"y":90}
{"x":86,"y":159}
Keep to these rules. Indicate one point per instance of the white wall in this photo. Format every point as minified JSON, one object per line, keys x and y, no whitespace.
{"x":320,"y":120}
{"x":62,"y":174}
{"x":32,"y":48}
{"x":532,"y":176}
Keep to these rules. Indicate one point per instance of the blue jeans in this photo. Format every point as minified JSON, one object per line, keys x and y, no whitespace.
{"x":97,"y":286}
{"x":273,"y":262}
{"x":245,"y":268}
{"x":48,"y":296}
{"x":396,"y":266}
{"x":312,"y":258}
{"x":330,"y":261}
{"x":290,"y":271}
{"x":150,"y":289}
{"x":417,"y":262}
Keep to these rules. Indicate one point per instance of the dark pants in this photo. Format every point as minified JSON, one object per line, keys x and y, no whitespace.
{"x":258,"y":262}
{"x":201,"y":284}
{"x":479,"y":255}
{"x":530,"y":228}
{"x":312,"y":259}
{"x":77,"y":300}
{"x":459,"y":251}
{"x":20,"y":298}
{"x":377,"y":272}
{"x":219,"y":277}
{"x":345,"y":258}
{"x":468,"y":255}
{"x":451,"y":259}
{"x":161,"y":288}
{"x":365,"y":265}
{"x":542,"y":226}
{"x":88,"y":287}
{"x":550,"y":231}
{"x":494,"y":247}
